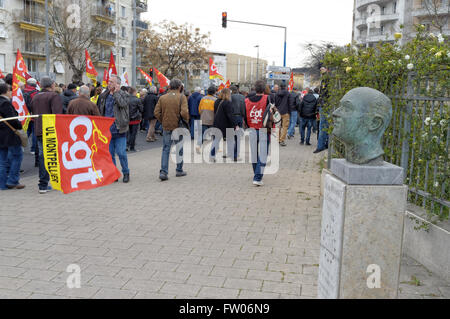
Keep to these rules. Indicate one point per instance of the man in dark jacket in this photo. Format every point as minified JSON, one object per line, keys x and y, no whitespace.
{"x":149,"y":112}
{"x":307,"y":112}
{"x":294,"y":113}
{"x":322,"y":144}
{"x":136,"y":110}
{"x":46,"y":102}
{"x":193,"y":103}
{"x":11,"y":153}
{"x":83,"y":105}
{"x":114,"y":103}
{"x":284,"y":103}
{"x":69,"y":95}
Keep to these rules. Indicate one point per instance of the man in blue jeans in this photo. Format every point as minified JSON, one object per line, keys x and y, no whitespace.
{"x":11,"y":153}
{"x":46,"y":102}
{"x":170,"y":108}
{"x":114,"y":103}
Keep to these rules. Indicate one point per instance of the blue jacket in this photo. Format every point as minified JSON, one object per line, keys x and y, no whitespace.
{"x":194,"y":102}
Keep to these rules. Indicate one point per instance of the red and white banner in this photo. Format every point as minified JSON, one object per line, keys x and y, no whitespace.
{"x":90,"y":69}
{"x":124,"y":79}
{"x":213,"y":71}
{"x":20,"y":73}
{"x":76,"y":152}
{"x":163,"y":81}
{"x":147,"y":77}
{"x":291,"y":83}
{"x":1,"y":74}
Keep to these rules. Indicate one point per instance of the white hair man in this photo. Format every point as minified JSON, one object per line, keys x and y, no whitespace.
{"x":114,"y":103}
{"x":82,"y":105}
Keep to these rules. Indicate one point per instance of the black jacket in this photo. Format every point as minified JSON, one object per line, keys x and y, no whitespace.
{"x":223,"y":118}
{"x":7,"y":136}
{"x":67,"y":96}
{"x":136,"y":108}
{"x":150,"y":102}
{"x":284,"y":102}
{"x":238,"y":101}
{"x":308,"y":107}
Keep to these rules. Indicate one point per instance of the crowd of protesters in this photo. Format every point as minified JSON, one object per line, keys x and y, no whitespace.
{"x":161,"y":111}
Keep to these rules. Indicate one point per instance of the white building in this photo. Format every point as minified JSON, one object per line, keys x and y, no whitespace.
{"x":22,"y":26}
{"x":379,"y":20}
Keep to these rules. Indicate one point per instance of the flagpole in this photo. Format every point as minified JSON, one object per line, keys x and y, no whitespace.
{"x":19,"y":118}
{"x":133,"y":67}
{"x":47,"y":47}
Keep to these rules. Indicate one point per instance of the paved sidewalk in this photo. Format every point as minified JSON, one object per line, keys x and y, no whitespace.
{"x":208,"y":235}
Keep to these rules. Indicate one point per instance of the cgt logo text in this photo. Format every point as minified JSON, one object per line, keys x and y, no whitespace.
{"x":227,"y":309}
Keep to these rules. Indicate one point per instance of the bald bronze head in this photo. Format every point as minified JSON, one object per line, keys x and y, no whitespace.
{"x":360,"y":122}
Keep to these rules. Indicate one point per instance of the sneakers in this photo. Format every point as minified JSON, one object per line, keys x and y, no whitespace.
{"x":181,"y":174}
{"x":163,"y":177}
{"x":45,"y":191}
{"x":258,"y":183}
{"x":283,"y":144}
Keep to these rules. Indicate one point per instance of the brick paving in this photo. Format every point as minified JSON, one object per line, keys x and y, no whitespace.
{"x":208,"y":235}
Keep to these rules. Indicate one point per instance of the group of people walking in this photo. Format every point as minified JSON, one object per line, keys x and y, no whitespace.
{"x":149,"y":110}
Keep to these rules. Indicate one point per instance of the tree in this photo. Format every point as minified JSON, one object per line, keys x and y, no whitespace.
{"x":439,"y":12}
{"x":71,"y":36}
{"x":173,"y":48}
{"x":316,"y":55}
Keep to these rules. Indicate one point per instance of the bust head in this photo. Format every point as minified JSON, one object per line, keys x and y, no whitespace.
{"x":360,"y":122}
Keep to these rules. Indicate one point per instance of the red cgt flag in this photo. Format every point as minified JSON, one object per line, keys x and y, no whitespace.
{"x":111,"y":69}
{"x":291,"y":83}
{"x":1,"y":74}
{"x":76,"y":152}
{"x":146,"y":76}
{"x":221,"y":87}
{"x":90,"y":69}
{"x":163,"y":81}
{"x":213,"y":71}
{"x":20,"y":73}
{"x":228,"y":84}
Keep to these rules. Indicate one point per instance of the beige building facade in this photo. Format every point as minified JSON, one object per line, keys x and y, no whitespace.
{"x":22,"y":26}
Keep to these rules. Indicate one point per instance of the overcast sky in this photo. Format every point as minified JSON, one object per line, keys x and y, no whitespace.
{"x":306,"y":20}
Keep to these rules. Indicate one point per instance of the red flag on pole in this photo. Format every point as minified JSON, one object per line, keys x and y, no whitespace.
{"x":105,"y":78}
{"x":20,"y":72}
{"x":76,"y":152}
{"x":163,"y":81}
{"x":112,"y":68}
{"x":213,"y":71}
{"x":228,"y":84}
{"x":146,"y":76}
{"x":291,"y":82}
{"x":90,"y":69}
{"x":1,"y":74}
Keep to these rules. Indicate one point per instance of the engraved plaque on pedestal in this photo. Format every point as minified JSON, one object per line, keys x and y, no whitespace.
{"x":331,"y":238}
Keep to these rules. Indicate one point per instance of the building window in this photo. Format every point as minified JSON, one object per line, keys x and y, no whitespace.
{"x":3,"y":32}
{"x":383,"y":10}
{"x":124,"y":32}
{"x":2,"y":4}
{"x":395,"y":7}
{"x":382,"y":29}
{"x":123,"y":52}
{"x":2,"y":62}
{"x":32,"y":65}
{"x":124,"y":11}
{"x":124,"y":70}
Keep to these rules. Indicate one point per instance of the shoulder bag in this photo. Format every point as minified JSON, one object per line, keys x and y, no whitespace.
{"x":20,"y":133}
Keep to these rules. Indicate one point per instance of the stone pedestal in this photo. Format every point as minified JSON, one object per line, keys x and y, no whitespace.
{"x":362,"y":230}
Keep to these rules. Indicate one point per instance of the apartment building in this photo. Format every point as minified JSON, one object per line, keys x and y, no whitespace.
{"x":379,"y":20}
{"x":22,"y":26}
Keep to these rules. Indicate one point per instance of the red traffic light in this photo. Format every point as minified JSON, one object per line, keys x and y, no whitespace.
{"x":224,"y":19}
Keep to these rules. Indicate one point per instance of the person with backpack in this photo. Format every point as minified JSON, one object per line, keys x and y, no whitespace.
{"x":307,"y":111}
{"x":257,"y":108}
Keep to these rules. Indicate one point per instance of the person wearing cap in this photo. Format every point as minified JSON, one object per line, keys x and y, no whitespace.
{"x":69,"y":95}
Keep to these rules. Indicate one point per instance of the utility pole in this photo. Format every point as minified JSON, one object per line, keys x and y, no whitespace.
{"x":47,"y":46}
{"x":257,"y":63}
{"x":133,"y":63}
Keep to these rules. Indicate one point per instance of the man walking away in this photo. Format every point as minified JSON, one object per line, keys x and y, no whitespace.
{"x":29,"y":93}
{"x":114,"y":103}
{"x":284,"y":103}
{"x":149,"y":112}
{"x":206,"y":111}
{"x":169,"y":109}
{"x":83,"y":105}
{"x":308,"y":110}
{"x":238,"y":101}
{"x":69,"y":95}
{"x":294,"y":114}
{"x":46,"y":102}
{"x":194,"y":115}
{"x":11,"y":153}
{"x":136,"y":110}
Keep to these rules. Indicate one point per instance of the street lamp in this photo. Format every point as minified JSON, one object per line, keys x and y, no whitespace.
{"x":257,"y":63}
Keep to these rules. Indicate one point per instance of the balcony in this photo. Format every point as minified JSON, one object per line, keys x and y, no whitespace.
{"x":141,"y":6}
{"x":104,"y":13}
{"x":140,"y":25}
{"x":361,"y":23}
{"x":362,"y":4}
{"x":423,"y":12}
{"x":106,"y":38}
{"x":32,"y":48}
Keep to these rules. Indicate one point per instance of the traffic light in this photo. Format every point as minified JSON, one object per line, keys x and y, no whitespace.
{"x":151,"y":72}
{"x":224,"y":19}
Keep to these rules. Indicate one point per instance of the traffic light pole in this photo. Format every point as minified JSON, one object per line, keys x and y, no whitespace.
{"x":271,"y":26}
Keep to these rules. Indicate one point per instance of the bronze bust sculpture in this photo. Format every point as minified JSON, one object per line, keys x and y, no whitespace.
{"x":360,"y":122}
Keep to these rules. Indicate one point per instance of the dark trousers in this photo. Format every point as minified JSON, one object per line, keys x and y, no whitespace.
{"x":131,"y":136}
{"x":44,"y":178}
